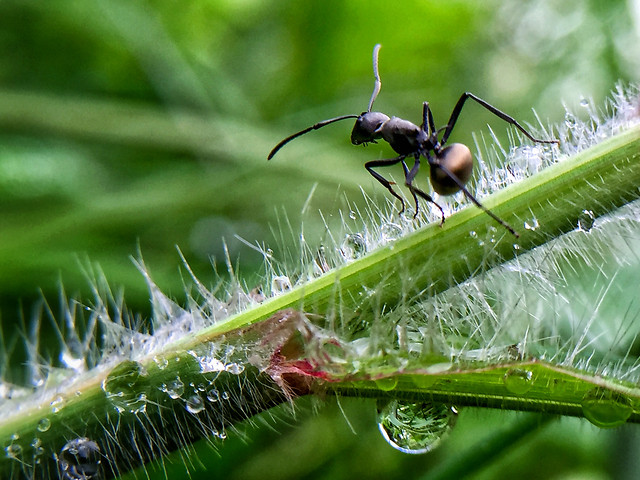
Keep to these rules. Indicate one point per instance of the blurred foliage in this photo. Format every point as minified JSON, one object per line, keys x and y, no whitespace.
{"x":137,"y":126}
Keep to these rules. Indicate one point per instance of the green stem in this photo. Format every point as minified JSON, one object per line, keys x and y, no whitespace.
{"x":131,"y":402}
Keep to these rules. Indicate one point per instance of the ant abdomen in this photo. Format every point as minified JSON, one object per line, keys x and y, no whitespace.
{"x":457,"y":160}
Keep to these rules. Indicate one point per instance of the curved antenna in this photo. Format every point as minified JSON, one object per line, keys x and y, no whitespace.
{"x":376,"y":75}
{"x":307,"y":130}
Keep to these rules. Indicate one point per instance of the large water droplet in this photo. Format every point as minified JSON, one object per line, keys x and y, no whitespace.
{"x":79,"y":459}
{"x":605,"y":408}
{"x":386,"y":384}
{"x":354,"y":246}
{"x":44,"y":424}
{"x":174,"y":388}
{"x":390,"y":231}
{"x":518,"y":380}
{"x":586,"y":219}
{"x":195,"y":404}
{"x":123,"y":387}
{"x":415,"y":427}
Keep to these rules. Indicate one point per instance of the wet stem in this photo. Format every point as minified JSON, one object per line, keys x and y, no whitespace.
{"x":425,"y":262}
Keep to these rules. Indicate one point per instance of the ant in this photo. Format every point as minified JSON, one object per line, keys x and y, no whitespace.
{"x":450,"y":167}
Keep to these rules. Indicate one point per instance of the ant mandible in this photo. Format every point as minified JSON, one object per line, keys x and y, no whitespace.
{"x":450,"y":167}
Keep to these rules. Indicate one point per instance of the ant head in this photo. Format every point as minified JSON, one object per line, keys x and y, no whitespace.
{"x":457,"y":159}
{"x":367,"y":127}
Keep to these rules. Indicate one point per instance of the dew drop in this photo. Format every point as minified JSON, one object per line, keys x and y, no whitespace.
{"x":605,"y":408}
{"x":79,"y":459}
{"x":194,"y":404}
{"x":210,"y":364}
{"x":415,"y":427}
{"x":56,"y":404}
{"x":213,"y":395}
{"x":473,"y":234}
{"x":354,"y":246}
{"x":584,"y":102}
{"x":352,"y":215}
{"x":586,"y":219}
{"x":44,"y":424}
{"x":390,"y":231}
{"x":280,"y":284}
{"x":13,"y":451}
{"x":161,"y":362}
{"x":532,"y":225}
{"x":234,"y":368}
{"x":123,"y":387}
{"x":386,"y":384}
{"x":570,"y":120}
{"x":424,"y":381}
{"x":518,"y":380}
{"x":225,"y":396}
{"x":175,"y":388}
{"x":38,"y":450}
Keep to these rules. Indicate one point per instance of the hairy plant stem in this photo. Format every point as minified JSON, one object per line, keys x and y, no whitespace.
{"x":423,"y":263}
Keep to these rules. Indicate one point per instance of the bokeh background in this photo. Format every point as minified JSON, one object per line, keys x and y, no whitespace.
{"x":138,"y":126}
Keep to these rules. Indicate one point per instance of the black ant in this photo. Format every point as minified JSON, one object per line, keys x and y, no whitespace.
{"x":450,"y":167}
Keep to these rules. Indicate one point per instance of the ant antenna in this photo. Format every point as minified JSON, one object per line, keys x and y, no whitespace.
{"x":376,"y":75}
{"x":307,"y":130}
{"x":376,"y":90}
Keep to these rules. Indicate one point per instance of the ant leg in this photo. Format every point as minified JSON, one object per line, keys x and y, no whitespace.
{"x":408,"y":184}
{"x":428,"y":198}
{"x":427,"y":118}
{"x":468,"y":194}
{"x":500,"y":114}
{"x":409,"y":177}
{"x":386,"y":183}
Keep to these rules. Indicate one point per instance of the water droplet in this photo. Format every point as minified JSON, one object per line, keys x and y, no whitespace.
{"x":386,"y":384}
{"x":56,"y":404}
{"x":175,"y":388}
{"x":424,"y":381}
{"x":123,"y":387}
{"x":352,"y":215}
{"x":195,"y":404}
{"x":234,"y":368}
{"x":415,"y":427}
{"x":570,"y":120}
{"x":280,"y":284}
{"x":225,"y":395}
{"x":353,"y":246}
{"x":213,"y":395}
{"x":606,"y":408}
{"x":516,"y":246}
{"x":161,"y":362}
{"x":532,"y":225}
{"x":38,"y":450}
{"x":586,"y":219}
{"x":473,"y":234}
{"x":584,"y":102}
{"x":518,"y":380}
{"x":13,"y":451}
{"x":79,"y":459}
{"x":210,"y":364}
{"x":390,"y":231}
{"x":44,"y":424}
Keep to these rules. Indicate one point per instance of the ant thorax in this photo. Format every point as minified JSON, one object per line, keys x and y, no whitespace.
{"x":404,"y":136}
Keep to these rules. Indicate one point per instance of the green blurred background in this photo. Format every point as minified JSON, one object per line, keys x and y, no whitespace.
{"x":131,"y":126}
